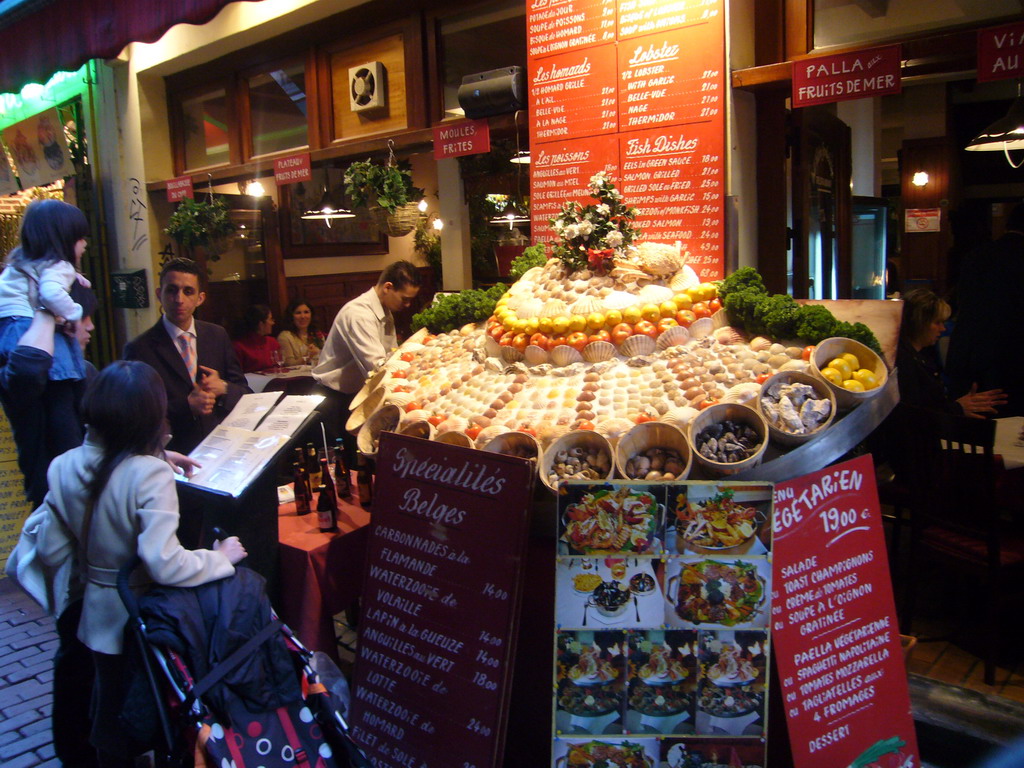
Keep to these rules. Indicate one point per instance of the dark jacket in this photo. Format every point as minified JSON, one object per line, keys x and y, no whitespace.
{"x":157,"y":348}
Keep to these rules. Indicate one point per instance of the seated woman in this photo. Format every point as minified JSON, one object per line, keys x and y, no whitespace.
{"x":255,"y":346}
{"x":108,"y":500}
{"x":921,"y":385}
{"x":300,"y":340}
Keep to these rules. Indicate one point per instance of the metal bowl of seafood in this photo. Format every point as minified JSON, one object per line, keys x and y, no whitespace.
{"x":577,"y":455}
{"x":611,"y":598}
{"x":653,"y":451}
{"x":728,"y":438}
{"x":797,"y":406}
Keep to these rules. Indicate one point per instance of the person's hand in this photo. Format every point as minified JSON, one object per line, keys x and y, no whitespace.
{"x":201,"y":402}
{"x":976,"y":404}
{"x":212,"y":382}
{"x":231,"y":547}
{"x":181,"y":462}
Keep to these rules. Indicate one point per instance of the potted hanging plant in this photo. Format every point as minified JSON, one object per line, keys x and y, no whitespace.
{"x":201,"y":224}
{"x":388,"y":191}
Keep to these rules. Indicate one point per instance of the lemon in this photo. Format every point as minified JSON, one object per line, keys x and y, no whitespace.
{"x":866,"y":377}
{"x":595,"y":320}
{"x":831,"y":374}
{"x":577,"y":323}
{"x":853,"y":385}
{"x":852,"y":360}
{"x":519,"y":326}
{"x":612,"y":318}
{"x":544,"y":325}
{"x":651,"y":312}
{"x":632,"y":315}
{"x":682,"y":301}
{"x":668,"y":309}
{"x":842,"y":366}
{"x":708,"y":291}
{"x":532,"y":326}
{"x":559,"y":325}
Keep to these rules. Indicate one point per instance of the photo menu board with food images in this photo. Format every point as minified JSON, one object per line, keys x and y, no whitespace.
{"x":837,"y":644}
{"x":662,"y":604}
{"x":561,"y":171}
{"x":669,"y":81}
{"x":440,"y":604}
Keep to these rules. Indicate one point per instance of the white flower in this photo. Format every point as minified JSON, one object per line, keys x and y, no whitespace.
{"x":613,"y":238}
{"x":571,"y":232}
{"x":603,"y":209}
{"x":598,"y":180}
{"x":585,"y":228}
{"x":558,"y":225}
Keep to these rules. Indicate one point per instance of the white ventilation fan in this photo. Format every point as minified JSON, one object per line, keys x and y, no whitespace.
{"x":366,"y":90}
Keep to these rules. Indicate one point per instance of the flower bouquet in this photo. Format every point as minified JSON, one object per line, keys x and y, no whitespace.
{"x":593,"y":234}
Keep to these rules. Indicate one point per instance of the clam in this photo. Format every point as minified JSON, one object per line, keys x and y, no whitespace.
{"x":760,"y":343}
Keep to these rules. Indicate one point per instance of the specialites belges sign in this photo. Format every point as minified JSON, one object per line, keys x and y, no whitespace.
{"x":439,"y":605}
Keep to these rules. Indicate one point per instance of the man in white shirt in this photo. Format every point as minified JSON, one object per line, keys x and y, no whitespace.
{"x":361,"y":338}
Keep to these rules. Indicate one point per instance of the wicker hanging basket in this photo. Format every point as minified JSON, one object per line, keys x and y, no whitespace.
{"x":401,"y":222}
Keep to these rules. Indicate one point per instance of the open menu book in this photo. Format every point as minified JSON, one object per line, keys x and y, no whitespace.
{"x":241,"y":447}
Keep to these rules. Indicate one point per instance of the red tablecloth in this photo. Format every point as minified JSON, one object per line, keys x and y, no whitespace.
{"x":320,"y":574}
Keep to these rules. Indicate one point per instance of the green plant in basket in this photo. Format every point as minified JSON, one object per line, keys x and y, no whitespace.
{"x":388,"y":186}
{"x":592,"y":234}
{"x":197,"y":223}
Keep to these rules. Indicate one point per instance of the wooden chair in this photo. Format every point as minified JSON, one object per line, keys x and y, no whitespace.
{"x":956,"y":518}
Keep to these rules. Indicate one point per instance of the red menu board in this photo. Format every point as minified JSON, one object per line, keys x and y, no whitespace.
{"x":1001,"y":52}
{"x":573,"y":95}
{"x":846,"y":76}
{"x":670,"y":78}
{"x":642,"y":17}
{"x":675,"y":178}
{"x":837,"y":642}
{"x":555,"y":26}
{"x":440,"y":604}
{"x":560,"y":172}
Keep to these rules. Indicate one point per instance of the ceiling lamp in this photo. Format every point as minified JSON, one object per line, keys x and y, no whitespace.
{"x":521,"y":157}
{"x":511,"y":215}
{"x":920,"y":179}
{"x":326,"y":210}
{"x":255,"y":188}
{"x":1004,"y":134}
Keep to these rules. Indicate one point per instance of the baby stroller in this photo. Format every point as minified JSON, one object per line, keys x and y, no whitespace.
{"x":221,"y":681}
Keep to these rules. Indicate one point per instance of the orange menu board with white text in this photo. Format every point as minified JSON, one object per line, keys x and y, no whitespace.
{"x":560,"y":172}
{"x":656,"y":87}
{"x":573,"y":95}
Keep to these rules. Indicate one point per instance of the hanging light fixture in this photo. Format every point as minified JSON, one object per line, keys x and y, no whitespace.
{"x":1004,"y":134}
{"x":327,"y":210}
{"x":511,"y":214}
{"x":255,"y":188}
{"x":522,"y":156}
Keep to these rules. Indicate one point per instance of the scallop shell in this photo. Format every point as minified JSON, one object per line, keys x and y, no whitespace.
{"x":728,"y":335}
{"x":680,"y":416}
{"x":452,"y":424}
{"x":615,"y":427}
{"x":547,"y":433}
{"x":742,"y":393}
{"x":554,"y":308}
{"x":532,"y":275}
{"x":401,"y":399}
{"x":655,"y":294}
{"x":638,"y":344}
{"x":619,"y":300}
{"x":411,"y":346}
{"x":796,"y":365}
{"x":673,"y":337}
{"x":700,"y":328}
{"x":492,"y":347}
{"x":587,"y":305}
{"x":563,"y":354}
{"x":683,"y":279}
{"x":511,"y":354}
{"x":419,"y":413}
{"x":489,"y":433}
{"x":597,"y":351}
{"x":529,"y":308}
{"x":535,"y":355}
{"x":396,"y":363}
{"x":760,"y":343}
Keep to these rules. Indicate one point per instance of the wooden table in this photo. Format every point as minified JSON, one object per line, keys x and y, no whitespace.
{"x":320,"y":574}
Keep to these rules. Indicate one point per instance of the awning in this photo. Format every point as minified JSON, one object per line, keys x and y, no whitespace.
{"x":41,"y":37}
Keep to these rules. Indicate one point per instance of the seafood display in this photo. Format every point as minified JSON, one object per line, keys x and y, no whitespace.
{"x":607,"y":754}
{"x":727,"y":441}
{"x":727,"y":662}
{"x":728,"y":702}
{"x":641,"y":584}
{"x":658,"y":700}
{"x":655,"y":464}
{"x":717,"y":592}
{"x":795,"y":407}
{"x":610,"y":520}
{"x":611,"y":597}
{"x":716,"y":523}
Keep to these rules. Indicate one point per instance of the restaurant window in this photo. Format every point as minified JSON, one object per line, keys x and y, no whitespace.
{"x":204,"y":128}
{"x":468,"y":45}
{"x":846,"y":22}
{"x":277,"y":109}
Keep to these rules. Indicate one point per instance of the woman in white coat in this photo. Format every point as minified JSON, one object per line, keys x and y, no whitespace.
{"x":110,"y":499}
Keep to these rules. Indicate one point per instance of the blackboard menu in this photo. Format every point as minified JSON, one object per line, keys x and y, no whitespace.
{"x":834,"y":621}
{"x":440,"y":604}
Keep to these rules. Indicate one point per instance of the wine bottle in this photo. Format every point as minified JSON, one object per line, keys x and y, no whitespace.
{"x":312,"y":465}
{"x":302,"y":495}
{"x":365,"y":480}
{"x":342,"y":482}
{"x":326,"y":510}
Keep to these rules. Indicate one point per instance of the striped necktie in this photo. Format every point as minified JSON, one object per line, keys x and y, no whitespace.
{"x":186,"y":355}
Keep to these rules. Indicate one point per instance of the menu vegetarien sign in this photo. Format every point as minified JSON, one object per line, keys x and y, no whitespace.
{"x":834,"y":623}
{"x":440,"y":604}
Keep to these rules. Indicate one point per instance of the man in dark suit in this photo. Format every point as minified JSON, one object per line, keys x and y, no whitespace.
{"x":195,"y":359}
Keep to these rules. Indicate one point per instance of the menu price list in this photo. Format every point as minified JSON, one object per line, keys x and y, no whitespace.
{"x":556,"y":26}
{"x":565,"y":89}
{"x":641,"y":17}
{"x":675,"y":178}
{"x":833,"y":620}
{"x":668,"y":78}
{"x":560,"y":173}
{"x":439,"y":605}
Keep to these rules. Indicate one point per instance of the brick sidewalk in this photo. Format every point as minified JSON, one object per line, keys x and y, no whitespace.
{"x":28,"y":640}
